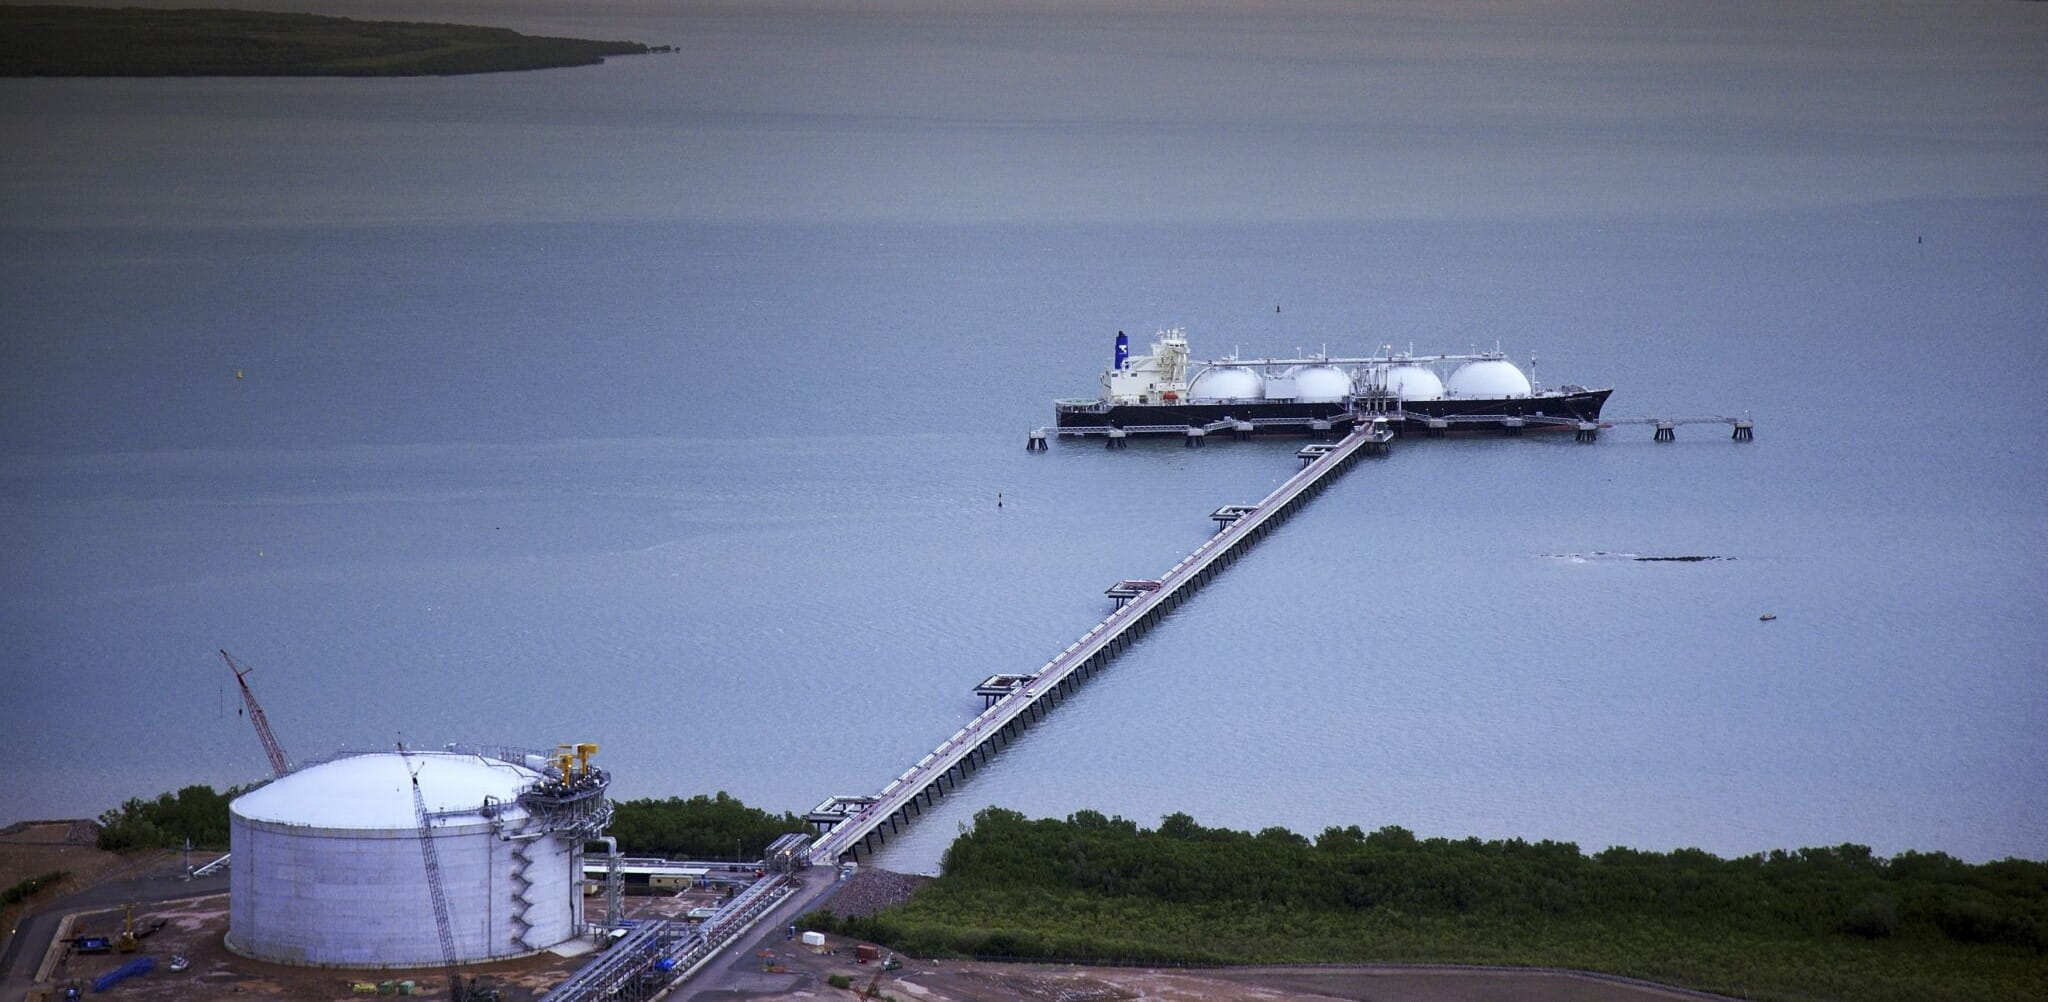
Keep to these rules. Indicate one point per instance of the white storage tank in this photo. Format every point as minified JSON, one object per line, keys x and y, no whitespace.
{"x":1321,"y":384}
{"x":1228,"y":382}
{"x":1413,"y":382}
{"x":1490,"y":379}
{"x":328,"y":869}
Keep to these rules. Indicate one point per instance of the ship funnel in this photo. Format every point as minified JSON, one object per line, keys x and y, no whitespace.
{"x":1123,"y":351}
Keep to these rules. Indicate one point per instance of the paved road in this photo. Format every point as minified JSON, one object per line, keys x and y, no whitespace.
{"x":31,"y":941}
{"x":736,"y":972}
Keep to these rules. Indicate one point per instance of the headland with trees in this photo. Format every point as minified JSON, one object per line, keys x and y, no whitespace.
{"x":65,"y":41}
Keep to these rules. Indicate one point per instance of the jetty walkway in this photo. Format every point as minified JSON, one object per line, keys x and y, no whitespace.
{"x":852,"y":824}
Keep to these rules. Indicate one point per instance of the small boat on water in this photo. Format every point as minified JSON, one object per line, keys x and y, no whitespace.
{"x":1167,"y":392}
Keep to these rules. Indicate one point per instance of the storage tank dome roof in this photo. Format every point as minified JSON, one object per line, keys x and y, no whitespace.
{"x":374,"y":792}
{"x":1493,"y":377}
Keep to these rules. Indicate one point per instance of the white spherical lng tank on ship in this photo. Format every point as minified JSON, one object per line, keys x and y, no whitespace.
{"x":328,"y":869}
{"x":1230,"y":382}
{"x":1321,"y":384}
{"x":1413,"y":382}
{"x":1489,"y":378}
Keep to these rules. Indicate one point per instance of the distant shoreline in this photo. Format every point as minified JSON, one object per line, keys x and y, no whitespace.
{"x":58,"y":41}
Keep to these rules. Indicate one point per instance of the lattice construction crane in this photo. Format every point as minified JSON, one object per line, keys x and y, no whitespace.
{"x":278,"y":764}
{"x":431,"y":857}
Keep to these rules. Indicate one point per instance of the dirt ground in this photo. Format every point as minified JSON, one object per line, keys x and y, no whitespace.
{"x":33,"y":848}
{"x":196,"y":930}
{"x":976,"y":981}
{"x":29,"y":847}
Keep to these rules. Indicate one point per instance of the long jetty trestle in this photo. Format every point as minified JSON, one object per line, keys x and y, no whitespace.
{"x":851,"y":825}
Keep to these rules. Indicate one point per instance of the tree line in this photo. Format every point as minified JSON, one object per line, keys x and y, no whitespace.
{"x":700,"y":827}
{"x":719,"y":826}
{"x":1833,"y":922}
{"x":198,"y":813}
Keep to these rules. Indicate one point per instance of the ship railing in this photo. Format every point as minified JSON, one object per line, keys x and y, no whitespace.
{"x":1495,"y":418}
{"x":1287,"y":422}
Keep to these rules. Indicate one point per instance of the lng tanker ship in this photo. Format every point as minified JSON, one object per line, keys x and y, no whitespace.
{"x":1165,"y":392}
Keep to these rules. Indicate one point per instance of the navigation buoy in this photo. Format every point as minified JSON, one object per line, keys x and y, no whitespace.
{"x":238,"y":373}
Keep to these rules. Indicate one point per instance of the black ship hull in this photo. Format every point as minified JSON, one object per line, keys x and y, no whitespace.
{"x":1561,"y":411}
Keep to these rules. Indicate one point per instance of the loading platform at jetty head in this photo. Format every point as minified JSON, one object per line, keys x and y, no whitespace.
{"x":852,"y":824}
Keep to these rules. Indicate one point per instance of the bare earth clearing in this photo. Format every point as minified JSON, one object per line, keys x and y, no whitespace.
{"x":964,"y":981}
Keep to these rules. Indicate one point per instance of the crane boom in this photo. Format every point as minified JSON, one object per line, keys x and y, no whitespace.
{"x":278,"y":765}
{"x":431,"y":858}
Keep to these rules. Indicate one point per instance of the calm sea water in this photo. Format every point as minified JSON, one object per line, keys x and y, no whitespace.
{"x":665,"y":405}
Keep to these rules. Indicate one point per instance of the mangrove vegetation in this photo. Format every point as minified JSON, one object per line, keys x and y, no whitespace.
{"x":701,"y":827}
{"x":1819,"y":923}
